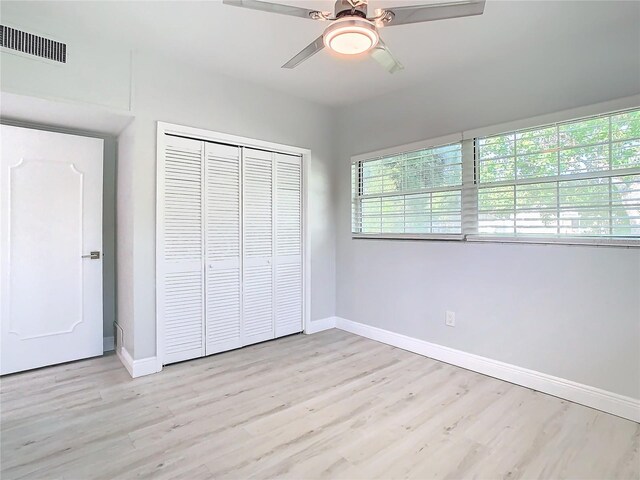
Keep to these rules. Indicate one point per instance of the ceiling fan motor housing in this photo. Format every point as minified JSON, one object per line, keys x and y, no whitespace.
{"x":346,"y":8}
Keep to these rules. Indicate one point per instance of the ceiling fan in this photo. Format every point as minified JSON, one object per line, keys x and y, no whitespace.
{"x":351,"y":32}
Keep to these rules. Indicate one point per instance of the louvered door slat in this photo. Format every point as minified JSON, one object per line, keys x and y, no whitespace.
{"x":229,"y":245}
{"x":258,"y":294}
{"x":223,"y":247}
{"x":288,"y":278}
{"x":181,"y":286}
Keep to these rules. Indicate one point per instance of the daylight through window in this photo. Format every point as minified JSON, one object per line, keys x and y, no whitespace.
{"x":411,"y":193}
{"x":576,"y":179}
{"x":579,"y":178}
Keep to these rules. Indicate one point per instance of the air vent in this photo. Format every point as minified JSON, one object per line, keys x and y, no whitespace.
{"x":32,"y":44}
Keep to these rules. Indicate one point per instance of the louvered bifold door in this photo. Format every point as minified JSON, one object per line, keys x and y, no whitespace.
{"x":223,"y":219}
{"x":258,"y":229}
{"x":288,"y":263}
{"x":180,"y":249}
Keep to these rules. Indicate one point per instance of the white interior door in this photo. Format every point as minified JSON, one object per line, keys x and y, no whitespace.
{"x":180,"y":248}
{"x":258,"y":229}
{"x":288,"y":260}
{"x":223,"y":246}
{"x":51,"y":219}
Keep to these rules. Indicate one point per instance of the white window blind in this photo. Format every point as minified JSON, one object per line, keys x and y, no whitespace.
{"x":409,"y":194}
{"x":571,"y":179}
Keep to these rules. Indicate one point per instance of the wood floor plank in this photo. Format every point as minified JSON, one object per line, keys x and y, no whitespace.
{"x":329,"y":405}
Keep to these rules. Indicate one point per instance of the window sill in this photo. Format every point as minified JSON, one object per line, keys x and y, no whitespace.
{"x":589,"y":241}
{"x":593,"y":241}
{"x":408,"y":236}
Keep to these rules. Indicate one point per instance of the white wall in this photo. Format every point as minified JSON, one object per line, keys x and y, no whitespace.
{"x":124,"y":236}
{"x":94,"y":74}
{"x":182,"y":95}
{"x":568,"y":311}
{"x":152,"y":91}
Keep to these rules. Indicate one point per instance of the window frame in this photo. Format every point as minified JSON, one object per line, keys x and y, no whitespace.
{"x":412,"y":147}
{"x":602,"y":174}
{"x":470,"y":177}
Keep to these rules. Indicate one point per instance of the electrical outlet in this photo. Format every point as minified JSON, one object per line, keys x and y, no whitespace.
{"x":450,"y":318}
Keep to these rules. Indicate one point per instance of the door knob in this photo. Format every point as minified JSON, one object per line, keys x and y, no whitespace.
{"x":92,"y":256}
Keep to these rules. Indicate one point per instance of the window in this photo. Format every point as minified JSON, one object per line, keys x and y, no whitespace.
{"x":573,"y":179}
{"x":414,"y":193}
{"x":571,"y":182}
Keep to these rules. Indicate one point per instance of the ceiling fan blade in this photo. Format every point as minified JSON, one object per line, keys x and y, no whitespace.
{"x":427,"y":13}
{"x":278,"y":8}
{"x":383,"y":56}
{"x":310,"y":50}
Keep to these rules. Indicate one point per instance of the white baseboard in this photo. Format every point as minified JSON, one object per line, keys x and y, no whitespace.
{"x":137,"y":368}
{"x":320,"y":325}
{"x":597,"y":398}
{"x":108,"y":344}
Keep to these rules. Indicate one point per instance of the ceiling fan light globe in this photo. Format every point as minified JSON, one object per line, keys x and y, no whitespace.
{"x":351,"y":36}
{"x":350,"y":43}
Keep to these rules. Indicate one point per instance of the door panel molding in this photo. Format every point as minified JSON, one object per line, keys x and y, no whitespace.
{"x":23,"y":165}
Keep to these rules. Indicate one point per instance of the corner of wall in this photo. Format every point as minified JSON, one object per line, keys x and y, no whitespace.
{"x":341,"y":157}
{"x":124,"y":238}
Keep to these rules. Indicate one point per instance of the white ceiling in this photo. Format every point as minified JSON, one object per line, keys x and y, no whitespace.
{"x":530,"y":35}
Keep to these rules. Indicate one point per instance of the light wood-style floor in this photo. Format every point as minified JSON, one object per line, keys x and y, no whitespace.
{"x":329,"y":405}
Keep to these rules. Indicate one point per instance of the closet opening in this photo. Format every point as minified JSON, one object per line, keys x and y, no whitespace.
{"x":232,"y":263}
